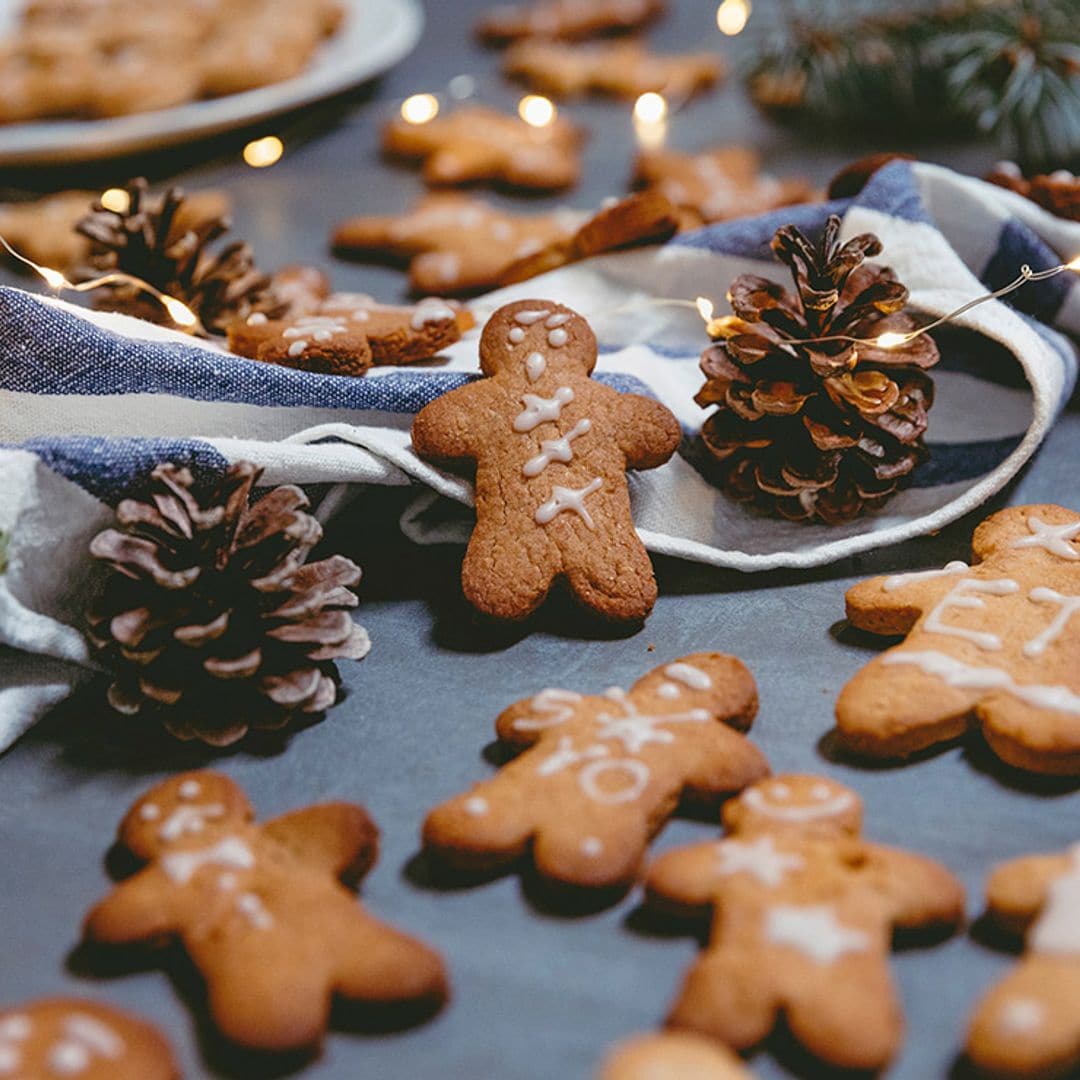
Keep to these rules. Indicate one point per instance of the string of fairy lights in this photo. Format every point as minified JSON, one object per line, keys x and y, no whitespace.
{"x":650,"y":114}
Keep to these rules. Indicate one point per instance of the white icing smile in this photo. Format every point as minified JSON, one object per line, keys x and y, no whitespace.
{"x":826,"y":804}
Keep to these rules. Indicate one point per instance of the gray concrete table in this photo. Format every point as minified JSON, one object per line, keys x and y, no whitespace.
{"x":538,"y":992}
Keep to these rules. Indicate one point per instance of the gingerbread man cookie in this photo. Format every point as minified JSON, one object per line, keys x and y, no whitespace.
{"x":601,"y":774}
{"x":348,"y":332}
{"x":717,"y":185}
{"x":994,"y":645}
{"x":621,"y":69}
{"x":803,"y":915}
{"x":262,"y":910}
{"x":1029,"y":1025}
{"x":569,"y":20}
{"x":551,"y":448}
{"x":476,"y":143}
{"x":59,"y":1038}
{"x":454,"y":243}
{"x":673,"y":1055}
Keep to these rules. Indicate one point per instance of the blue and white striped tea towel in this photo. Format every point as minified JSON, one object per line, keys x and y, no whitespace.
{"x":89,"y":403}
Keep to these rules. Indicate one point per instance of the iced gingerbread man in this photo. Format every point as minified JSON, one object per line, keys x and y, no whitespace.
{"x":803,"y":916}
{"x":601,"y":774}
{"x":262,"y":910}
{"x":996,"y":643}
{"x":1029,"y":1024}
{"x":551,"y":448}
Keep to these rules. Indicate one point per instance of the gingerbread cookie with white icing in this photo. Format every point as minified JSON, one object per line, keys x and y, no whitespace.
{"x":673,"y":1055}
{"x":348,"y":332}
{"x":995,"y":646}
{"x":1028,"y":1025}
{"x":61,"y":1038}
{"x":717,"y":185}
{"x":567,"y":20}
{"x":265,"y":912}
{"x":477,"y":144}
{"x":620,"y":69}
{"x":803,"y":912}
{"x":601,"y":774}
{"x":551,"y":448}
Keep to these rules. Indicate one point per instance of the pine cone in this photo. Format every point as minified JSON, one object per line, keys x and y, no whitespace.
{"x":822,"y":430}
{"x":144,"y":241}
{"x":211,"y":620}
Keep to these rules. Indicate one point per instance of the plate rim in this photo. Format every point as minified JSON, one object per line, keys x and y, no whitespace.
{"x":67,"y":142}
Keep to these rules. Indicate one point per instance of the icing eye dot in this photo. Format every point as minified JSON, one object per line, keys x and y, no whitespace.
{"x":190,"y":789}
{"x":476,"y":806}
{"x":780,"y":791}
{"x":591,"y":846}
{"x":517,"y":335}
{"x":557,"y":338}
{"x":820,"y":792}
{"x":149,"y":811}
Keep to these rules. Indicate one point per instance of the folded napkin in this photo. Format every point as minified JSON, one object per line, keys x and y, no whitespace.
{"x":89,"y":403}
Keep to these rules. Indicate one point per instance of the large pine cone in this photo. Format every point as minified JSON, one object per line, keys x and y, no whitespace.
{"x":826,"y":430}
{"x":164,"y":241}
{"x":211,"y":620}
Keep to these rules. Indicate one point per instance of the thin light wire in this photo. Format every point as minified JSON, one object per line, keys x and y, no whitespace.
{"x":56,"y":280}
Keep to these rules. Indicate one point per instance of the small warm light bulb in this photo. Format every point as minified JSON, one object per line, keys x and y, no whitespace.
{"x":705,"y":307}
{"x":420,"y":109}
{"x":890,"y":340}
{"x":537,"y":110}
{"x":732,"y":16}
{"x":1074,"y":264}
{"x":650,"y":108}
{"x":53,"y":278}
{"x":179,"y":312}
{"x":117,"y":200}
{"x":264,"y":152}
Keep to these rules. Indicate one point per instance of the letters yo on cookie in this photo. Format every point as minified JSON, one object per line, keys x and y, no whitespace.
{"x":551,"y":448}
{"x":994,"y":645}
{"x":602,"y":773}
{"x":263,"y":911}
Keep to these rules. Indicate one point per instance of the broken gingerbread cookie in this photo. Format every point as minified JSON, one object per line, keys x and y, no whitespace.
{"x":568,"y":20}
{"x":624,"y":69}
{"x":551,"y":448}
{"x":717,"y":185}
{"x":348,"y":332}
{"x":1027,"y":1027}
{"x":265,"y":912}
{"x":477,"y":144}
{"x":993,"y":646}
{"x":601,"y":774}
{"x":52,"y":1038}
{"x":803,"y":912}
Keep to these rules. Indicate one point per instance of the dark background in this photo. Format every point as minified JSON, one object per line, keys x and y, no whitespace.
{"x":539,"y":992}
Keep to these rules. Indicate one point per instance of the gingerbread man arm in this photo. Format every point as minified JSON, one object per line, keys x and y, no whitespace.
{"x":919,"y":891}
{"x":648,"y":432}
{"x":362,"y":234}
{"x":450,"y":427}
{"x":1017,"y":891}
{"x":892,"y":605}
{"x":684,"y":882}
{"x":137,"y":910}
{"x":335,"y":838}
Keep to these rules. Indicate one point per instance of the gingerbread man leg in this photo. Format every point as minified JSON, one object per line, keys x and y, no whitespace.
{"x":615,"y":577}
{"x":1029,"y":1025}
{"x":501,"y":577}
{"x":728,"y":995}
{"x":1027,"y":737}
{"x":892,"y":710}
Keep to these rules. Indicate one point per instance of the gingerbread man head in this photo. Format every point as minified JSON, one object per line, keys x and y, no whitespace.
{"x":190,"y":806}
{"x":532,"y":339}
{"x":804,"y":804}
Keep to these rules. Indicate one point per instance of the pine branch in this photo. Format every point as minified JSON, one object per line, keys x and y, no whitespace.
{"x":1006,"y":68}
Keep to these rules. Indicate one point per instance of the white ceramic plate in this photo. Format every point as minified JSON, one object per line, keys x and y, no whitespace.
{"x":375,"y":35}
